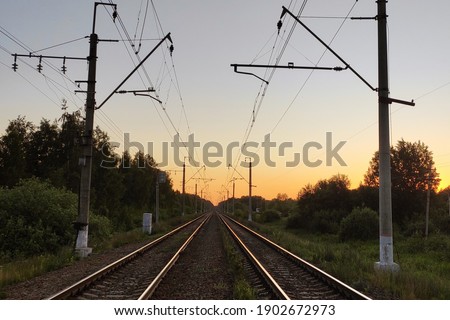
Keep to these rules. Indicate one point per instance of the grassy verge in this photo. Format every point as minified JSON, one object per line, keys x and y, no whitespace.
{"x":242,"y":290}
{"x":424,"y":263}
{"x":23,"y":270}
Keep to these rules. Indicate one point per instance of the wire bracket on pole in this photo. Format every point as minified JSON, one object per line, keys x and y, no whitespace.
{"x":391,"y":100}
{"x":140,"y":93}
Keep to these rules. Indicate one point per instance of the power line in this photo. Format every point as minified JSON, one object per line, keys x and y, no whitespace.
{"x":61,"y":44}
{"x":432,"y":91}
{"x":312,"y":71}
{"x":265,"y":84}
{"x":164,"y":109}
{"x":59,"y":87}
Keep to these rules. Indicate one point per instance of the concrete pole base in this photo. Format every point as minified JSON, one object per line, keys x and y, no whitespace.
{"x":389,"y":267}
{"x":81,"y":248}
{"x":83,"y":252}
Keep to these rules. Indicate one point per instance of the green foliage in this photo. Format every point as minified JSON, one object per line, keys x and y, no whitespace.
{"x":360,"y":224}
{"x":322,"y":221}
{"x":100,"y":228}
{"x":240,"y":213}
{"x":13,"y":151}
{"x":36,"y":218}
{"x":242,"y":289}
{"x":331,"y":194}
{"x":365,"y":196}
{"x":283,"y":204}
{"x":411,"y":176}
{"x":120,"y":185}
{"x":270,"y":216}
{"x":24,"y":269}
{"x":321,"y":207}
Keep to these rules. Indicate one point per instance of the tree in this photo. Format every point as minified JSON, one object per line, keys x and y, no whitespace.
{"x":139,"y":175}
{"x":107,"y":187}
{"x":328,"y":194}
{"x":13,"y":151}
{"x":412,"y":172}
{"x":410,"y":168}
{"x":44,"y":150}
{"x":321,"y":207}
{"x":283,"y":204}
{"x":70,"y":138}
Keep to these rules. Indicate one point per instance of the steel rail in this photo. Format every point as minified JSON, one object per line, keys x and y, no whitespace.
{"x":85,"y":282}
{"x":279,"y":292}
{"x":154,"y":284}
{"x":343,"y":288}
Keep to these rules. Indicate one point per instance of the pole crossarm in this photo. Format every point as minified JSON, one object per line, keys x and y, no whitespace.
{"x":48,"y":57}
{"x":39,"y":66}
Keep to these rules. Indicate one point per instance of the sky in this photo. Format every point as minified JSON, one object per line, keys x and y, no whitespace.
{"x":328,"y":118}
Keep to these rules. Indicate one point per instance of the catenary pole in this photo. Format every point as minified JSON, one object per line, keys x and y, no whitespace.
{"x":183,"y":188}
{"x":385,"y":197}
{"x":250,"y":191}
{"x":82,"y":223}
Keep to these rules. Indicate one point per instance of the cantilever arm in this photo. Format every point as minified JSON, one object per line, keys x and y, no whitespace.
{"x":285,"y":10}
{"x":167,"y":37}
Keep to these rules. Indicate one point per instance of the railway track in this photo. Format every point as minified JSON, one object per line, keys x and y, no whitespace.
{"x":136,"y":275}
{"x":200,"y":272}
{"x":288,"y":276}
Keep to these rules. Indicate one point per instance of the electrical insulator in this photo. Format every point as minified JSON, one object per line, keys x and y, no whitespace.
{"x":14,"y":66}
{"x":39,"y":66}
{"x":63,"y":68}
{"x":171,"y":49}
{"x":114,"y":15}
{"x":279,"y":25}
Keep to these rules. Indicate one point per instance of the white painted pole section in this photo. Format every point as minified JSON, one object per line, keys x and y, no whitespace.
{"x":147,"y":223}
{"x":81,"y":245}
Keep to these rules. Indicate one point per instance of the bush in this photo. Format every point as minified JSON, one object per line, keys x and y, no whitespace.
{"x":441,"y":220}
{"x":270,"y":216}
{"x":360,"y":224}
{"x":321,"y":221}
{"x":35,"y":218}
{"x":100,"y":228}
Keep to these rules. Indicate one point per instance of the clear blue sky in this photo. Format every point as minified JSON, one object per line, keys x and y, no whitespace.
{"x":202,"y":95}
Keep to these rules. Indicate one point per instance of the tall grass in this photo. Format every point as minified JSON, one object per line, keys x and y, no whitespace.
{"x":424,"y":263}
{"x":242,"y":290}
{"x":21,"y":270}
